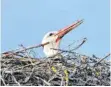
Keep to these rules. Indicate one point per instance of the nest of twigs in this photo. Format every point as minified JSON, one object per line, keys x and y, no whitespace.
{"x":72,"y":69}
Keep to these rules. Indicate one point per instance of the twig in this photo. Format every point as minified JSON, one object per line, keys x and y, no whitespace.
{"x":28,"y":77}
{"x":2,"y":80}
{"x":47,"y":83}
{"x":15,"y":80}
{"x":8,"y":53}
{"x":84,"y":40}
{"x":52,"y":77}
{"x":27,"y":54}
{"x":102,"y":59}
{"x":62,"y":81}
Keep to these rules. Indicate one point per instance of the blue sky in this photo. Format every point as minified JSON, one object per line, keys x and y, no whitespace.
{"x":26,"y":22}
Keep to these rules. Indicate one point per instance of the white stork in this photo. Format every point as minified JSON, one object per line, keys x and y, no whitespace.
{"x":54,"y":39}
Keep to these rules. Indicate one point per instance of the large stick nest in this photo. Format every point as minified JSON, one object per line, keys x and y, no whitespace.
{"x":72,"y":69}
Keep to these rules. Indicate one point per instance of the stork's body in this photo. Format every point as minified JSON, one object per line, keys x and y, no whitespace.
{"x":54,"y":39}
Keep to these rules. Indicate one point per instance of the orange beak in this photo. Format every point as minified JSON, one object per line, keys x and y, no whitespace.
{"x":64,"y":31}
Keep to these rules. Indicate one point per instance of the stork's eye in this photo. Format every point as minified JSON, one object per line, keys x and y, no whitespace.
{"x":50,"y":34}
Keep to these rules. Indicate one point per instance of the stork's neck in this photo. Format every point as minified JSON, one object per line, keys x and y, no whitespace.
{"x":48,"y":49}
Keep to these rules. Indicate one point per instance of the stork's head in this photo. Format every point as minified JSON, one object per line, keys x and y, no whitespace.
{"x":55,"y":37}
